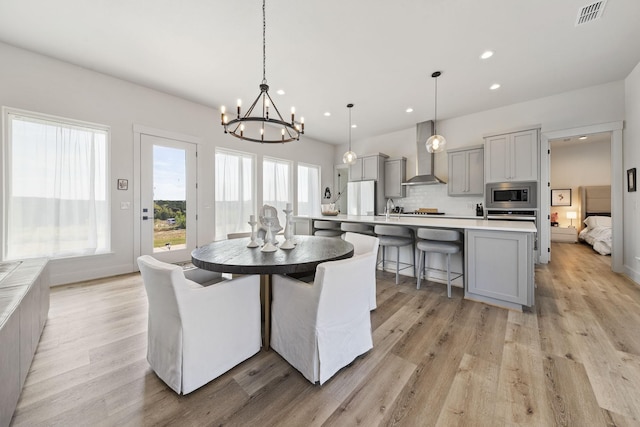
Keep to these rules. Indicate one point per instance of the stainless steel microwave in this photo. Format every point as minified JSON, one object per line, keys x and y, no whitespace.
{"x":512,"y":195}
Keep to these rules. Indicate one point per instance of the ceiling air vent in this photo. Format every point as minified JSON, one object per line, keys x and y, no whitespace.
{"x":590,"y":12}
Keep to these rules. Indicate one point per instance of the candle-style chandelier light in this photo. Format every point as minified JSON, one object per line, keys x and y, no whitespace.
{"x":261,"y":127}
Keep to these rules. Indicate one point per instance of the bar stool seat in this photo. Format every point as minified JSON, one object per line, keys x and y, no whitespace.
{"x":357,"y":227}
{"x":396,"y":236}
{"x":326,"y":228}
{"x":445,"y":242}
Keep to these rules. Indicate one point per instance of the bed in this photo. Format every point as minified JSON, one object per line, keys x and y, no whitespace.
{"x":596,"y":217}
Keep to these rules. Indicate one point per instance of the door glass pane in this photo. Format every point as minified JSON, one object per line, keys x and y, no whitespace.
{"x":169,"y":199}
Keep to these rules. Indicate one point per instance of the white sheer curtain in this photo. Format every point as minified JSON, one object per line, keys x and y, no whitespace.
{"x":57,"y":202}
{"x":308,"y":189}
{"x":235,"y":192}
{"x":276,"y":185}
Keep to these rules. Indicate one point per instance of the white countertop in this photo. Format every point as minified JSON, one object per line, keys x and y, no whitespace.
{"x":436,"y":221}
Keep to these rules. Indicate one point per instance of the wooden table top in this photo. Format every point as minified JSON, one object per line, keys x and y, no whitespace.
{"x":233,"y":256}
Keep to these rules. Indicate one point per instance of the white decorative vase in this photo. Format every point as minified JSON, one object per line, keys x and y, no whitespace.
{"x":288,"y":231}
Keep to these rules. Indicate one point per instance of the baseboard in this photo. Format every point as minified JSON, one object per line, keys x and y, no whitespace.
{"x":632,"y":274}
{"x":58,"y":278}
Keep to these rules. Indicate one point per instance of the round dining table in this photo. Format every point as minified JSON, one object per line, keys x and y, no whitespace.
{"x":233,"y":256}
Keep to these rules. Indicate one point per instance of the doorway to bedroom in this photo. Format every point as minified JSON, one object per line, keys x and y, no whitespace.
{"x":580,"y":198}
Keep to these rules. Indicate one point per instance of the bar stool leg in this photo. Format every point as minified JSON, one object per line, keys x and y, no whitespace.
{"x":414,"y":260}
{"x":397,"y":263}
{"x":384,"y":251}
{"x":420,"y":267}
{"x":449,"y":275}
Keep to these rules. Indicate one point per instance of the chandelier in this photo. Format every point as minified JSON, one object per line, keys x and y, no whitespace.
{"x":435,"y":143}
{"x":261,"y":127}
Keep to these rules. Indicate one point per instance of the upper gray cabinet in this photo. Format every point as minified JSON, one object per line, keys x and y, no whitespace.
{"x":395,"y":172}
{"x":466,"y":171}
{"x":369,"y":167}
{"x":512,"y":156}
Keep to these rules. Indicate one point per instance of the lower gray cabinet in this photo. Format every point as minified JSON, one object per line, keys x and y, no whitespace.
{"x":499,"y":267}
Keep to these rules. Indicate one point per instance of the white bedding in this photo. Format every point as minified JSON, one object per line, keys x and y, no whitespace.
{"x":599,"y":237}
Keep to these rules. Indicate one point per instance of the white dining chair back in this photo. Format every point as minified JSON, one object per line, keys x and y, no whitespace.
{"x":322,"y":327}
{"x":196,"y":333}
{"x":366,"y":246}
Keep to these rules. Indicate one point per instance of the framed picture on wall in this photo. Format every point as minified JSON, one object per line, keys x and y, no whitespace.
{"x":631,"y":179}
{"x":561,"y":197}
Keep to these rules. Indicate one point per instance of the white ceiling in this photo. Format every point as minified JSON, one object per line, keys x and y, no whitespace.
{"x":326,"y":53}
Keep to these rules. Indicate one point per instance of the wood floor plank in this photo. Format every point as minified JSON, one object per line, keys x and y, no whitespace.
{"x":570,"y":395}
{"x":423,"y":397}
{"x":472,"y":394}
{"x":368,"y":404}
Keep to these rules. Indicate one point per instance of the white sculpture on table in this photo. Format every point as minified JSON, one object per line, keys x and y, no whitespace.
{"x":269,"y":227}
{"x":288,"y":229}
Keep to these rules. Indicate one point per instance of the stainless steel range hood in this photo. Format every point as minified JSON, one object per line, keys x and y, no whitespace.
{"x":424,"y":164}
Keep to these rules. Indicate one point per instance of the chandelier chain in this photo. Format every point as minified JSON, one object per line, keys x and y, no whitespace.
{"x":264,"y":43}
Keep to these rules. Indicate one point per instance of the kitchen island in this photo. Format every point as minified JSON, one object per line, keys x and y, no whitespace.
{"x":497,"y":260}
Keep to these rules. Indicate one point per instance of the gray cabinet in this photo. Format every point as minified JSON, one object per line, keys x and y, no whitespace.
{"x":466,"y":171}
{"x":395,"y":172}
{"x":512,"y":156}
{"x":370,"y":167}
{"x":499,"y":267}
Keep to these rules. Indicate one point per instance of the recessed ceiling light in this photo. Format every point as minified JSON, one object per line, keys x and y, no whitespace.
{"x":354,"y":126}
{"x":583,"y":137}
{"x":494,"y":86}
{"x":280,"y":92}
{"x":327,"y":114}
{"x":486,"y":54}
{"x":409,"y":110}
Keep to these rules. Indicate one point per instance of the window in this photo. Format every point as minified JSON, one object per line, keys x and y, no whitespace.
{"x":276,"y":185}
{"x":56,"y":202}
{"x":308,"y":189}
{"x":235,"y":192}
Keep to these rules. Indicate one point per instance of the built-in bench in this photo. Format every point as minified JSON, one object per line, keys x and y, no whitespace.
{"x":24,"y":307}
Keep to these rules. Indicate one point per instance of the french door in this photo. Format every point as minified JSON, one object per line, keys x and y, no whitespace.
{"x":168,"y":226}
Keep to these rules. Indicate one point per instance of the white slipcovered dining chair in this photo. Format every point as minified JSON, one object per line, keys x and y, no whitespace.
{"x":364,"y":245}
{"x":196,"y":333}
{"x":321,"y":327}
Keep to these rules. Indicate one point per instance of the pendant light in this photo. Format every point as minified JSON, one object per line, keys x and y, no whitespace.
{"x":260,"y":127}
{"x":435,"y":143}
{"x":349,"y":157}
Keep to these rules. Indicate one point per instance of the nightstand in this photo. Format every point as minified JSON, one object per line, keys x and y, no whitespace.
{"x":564,"y":234}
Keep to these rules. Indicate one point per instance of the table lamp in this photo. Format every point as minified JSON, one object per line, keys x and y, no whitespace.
{"x":572,"y":215}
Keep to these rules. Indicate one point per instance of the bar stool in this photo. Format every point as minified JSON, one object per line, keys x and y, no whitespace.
{"x":326,"y":228}
{"x":396,"y":236}
{"x":437,"y":241}
{"x":357,"y":227}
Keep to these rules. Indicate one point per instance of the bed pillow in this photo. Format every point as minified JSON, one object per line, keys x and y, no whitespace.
{"x":597,"y":221}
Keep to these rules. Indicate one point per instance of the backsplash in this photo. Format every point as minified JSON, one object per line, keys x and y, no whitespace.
{"x":435,"y":196}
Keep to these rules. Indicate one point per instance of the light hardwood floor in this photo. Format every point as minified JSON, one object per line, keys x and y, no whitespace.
{"x":573,"y":360}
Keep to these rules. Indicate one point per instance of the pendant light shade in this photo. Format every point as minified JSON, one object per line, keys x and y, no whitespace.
{"x":435,"y":143}
{"x":349,"y":157}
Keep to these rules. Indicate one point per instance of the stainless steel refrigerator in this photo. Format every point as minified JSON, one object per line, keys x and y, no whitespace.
{"x":362,"y":198}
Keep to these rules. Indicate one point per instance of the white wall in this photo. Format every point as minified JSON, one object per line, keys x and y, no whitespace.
{"x":592,"y":105}
{"x":38,"y":83}
{"x":631,"y":150}
{"x":578,"y":165}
